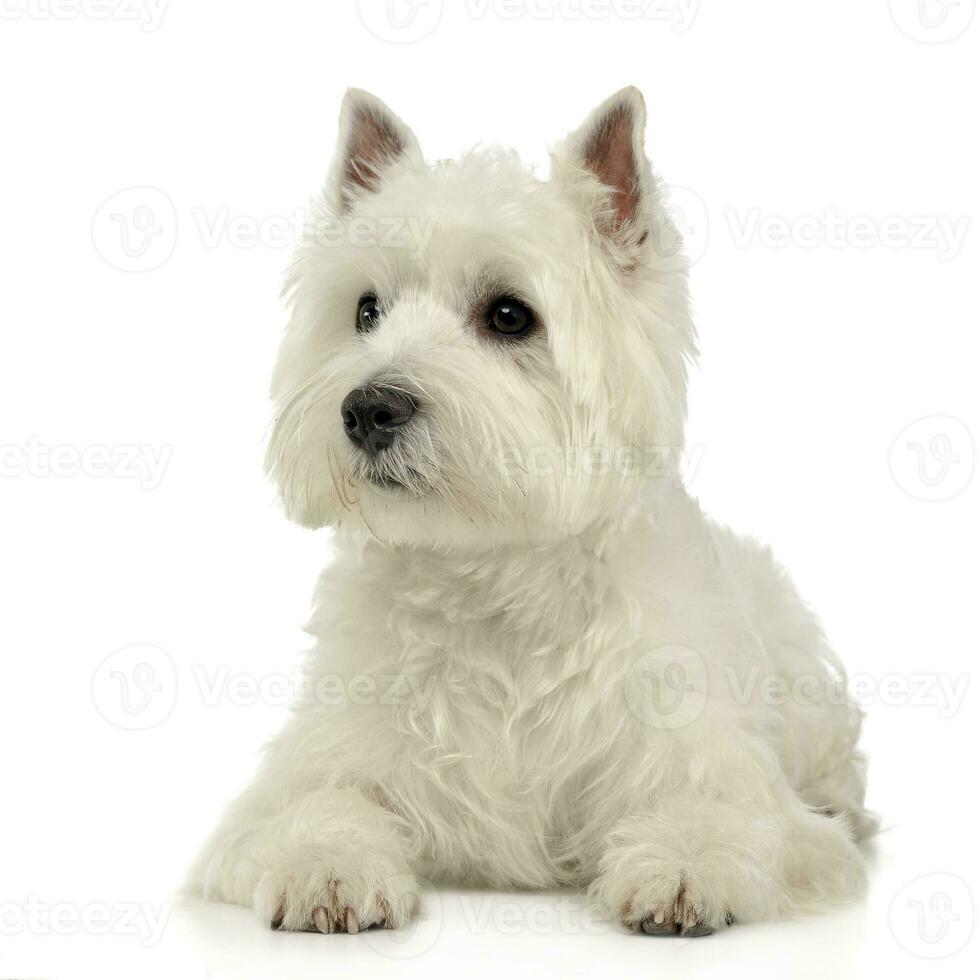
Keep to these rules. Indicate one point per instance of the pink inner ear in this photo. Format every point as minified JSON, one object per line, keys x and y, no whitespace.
{"x":373,"y":143}
{"x":609,"y":155}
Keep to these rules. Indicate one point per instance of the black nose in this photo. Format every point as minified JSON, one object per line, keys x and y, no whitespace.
{"x":373,"y":415}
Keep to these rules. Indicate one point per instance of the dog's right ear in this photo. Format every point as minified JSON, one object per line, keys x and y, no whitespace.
{"x":607,"y":150}
{"x":372,"y":139}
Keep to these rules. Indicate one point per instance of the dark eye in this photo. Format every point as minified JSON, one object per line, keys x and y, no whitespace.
{"x":509,"y":316}
{"x":368,"y":313}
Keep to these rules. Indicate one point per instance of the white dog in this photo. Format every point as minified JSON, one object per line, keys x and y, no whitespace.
{"x":537,"y":663}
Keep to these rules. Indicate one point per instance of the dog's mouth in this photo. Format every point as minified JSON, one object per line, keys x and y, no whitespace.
{"x":409,"y":484}
{"x":385,"y":482}
{"x":389,"y":470}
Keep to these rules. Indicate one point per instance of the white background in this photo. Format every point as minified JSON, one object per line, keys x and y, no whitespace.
{"x":822,"y":154}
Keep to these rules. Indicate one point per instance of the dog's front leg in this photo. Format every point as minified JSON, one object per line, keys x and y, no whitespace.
{"x":724,"y":839}
{"x":331,"y":860}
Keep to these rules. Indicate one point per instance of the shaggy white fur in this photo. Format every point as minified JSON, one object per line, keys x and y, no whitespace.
{"x":536,"y":661}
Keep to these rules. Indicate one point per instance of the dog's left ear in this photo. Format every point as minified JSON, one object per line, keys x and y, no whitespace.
{"x":609,"y":146}
{"x":372,"y":139}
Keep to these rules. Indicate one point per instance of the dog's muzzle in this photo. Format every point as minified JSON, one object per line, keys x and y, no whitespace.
{"x":373,"y":415}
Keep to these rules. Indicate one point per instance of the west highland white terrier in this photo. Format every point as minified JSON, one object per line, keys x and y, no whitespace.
{"x":537,"y":663}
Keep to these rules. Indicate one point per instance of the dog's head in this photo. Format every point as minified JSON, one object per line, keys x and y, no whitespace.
{"x":476,"y":356}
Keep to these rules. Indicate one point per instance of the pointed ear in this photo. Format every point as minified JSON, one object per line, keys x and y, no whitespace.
{"x":372,"y":138}
{"x":609,"y":145}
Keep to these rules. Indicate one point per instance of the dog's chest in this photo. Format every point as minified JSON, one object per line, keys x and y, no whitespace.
{"x":498,"y":731}
{"x":480,"y":694}
{"x":497,"y":736}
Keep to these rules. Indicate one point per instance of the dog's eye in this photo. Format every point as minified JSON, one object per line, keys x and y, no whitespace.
{"x":368,"y":313}
{"x":509,"y":316}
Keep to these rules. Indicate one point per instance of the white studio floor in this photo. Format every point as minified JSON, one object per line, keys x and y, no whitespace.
{"x":900,"y":930}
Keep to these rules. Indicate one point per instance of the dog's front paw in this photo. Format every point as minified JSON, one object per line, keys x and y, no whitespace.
{"x":678,"y":917}
{"x":333,"y":906}
{"x":669,"y":885}
{"x":335,"y":896}
{"x":666,"y":897}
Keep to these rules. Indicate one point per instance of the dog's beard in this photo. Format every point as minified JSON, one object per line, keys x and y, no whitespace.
{"x":421,"y":467}
{"x":391,"y":470}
